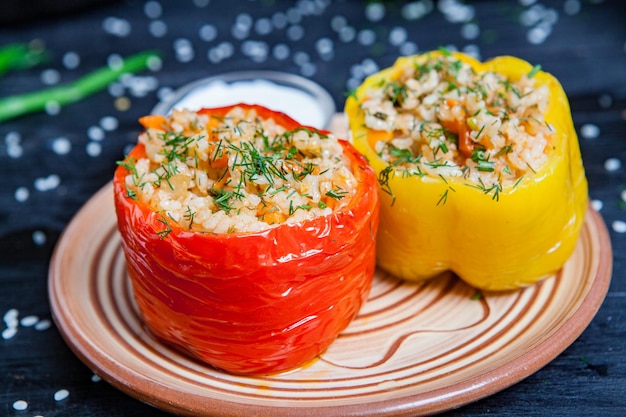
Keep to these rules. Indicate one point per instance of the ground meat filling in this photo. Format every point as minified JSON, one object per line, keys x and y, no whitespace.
{"x":441,"y":118}
{"x":238,"y":173}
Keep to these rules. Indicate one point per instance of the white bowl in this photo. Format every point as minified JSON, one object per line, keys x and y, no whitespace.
{"x":300,"y":98}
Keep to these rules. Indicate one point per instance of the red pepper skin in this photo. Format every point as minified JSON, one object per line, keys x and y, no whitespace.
{"x":252,"y":303}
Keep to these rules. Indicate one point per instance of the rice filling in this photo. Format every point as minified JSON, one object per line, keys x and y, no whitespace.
{"x":238,"y":172}
{"x":442,"y":118}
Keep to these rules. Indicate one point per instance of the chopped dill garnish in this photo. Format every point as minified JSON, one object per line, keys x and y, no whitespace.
{"x":189,"y":216}
{"x":383,"y":180}
{"x":443,"y":198}
{"x":168,"y":229}
{"x":534,"y":71}
{"x":337,"y":193}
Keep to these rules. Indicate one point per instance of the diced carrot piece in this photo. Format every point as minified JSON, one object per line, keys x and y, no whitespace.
{"x":217,"y":158}
{"x":450,"y":102}
{"x":460,"y":128}
{"x":270,"y":214}
{"x":375,"y":136}
{"x":153,"y":121}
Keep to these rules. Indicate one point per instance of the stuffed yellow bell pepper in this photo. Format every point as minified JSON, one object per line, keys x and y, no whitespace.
{"x":480,"y":167}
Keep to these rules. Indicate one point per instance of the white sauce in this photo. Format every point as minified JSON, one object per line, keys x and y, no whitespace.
{"x":296,"y":103}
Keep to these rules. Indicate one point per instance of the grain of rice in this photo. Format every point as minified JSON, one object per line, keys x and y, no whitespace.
{"x":43,"y":325}
{"x":29,"y":321}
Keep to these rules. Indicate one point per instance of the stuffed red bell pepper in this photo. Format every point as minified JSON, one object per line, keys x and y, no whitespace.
{"x":249,"y":239}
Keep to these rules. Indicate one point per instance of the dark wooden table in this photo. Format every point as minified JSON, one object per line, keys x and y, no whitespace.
{"x":52,"y":162}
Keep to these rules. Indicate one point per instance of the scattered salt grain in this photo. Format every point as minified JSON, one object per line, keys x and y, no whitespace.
{"x":12,"y":138}
{"x":257,"y":51}
{"x":408,"y":48}
{"x":612,"y":164}
{"x":538,"y":34}
{"x":623,"y":195}
{"x":61,"y":394}
{"x":154,"y":63}
{"x":338,"y":22}
{"x":115,"y":61}
{"x":140,"y":86}
{"x":375,"y":11}
{"x":50,"y":76}
{"x":95,"y":378}
{"x":571,"y":7}
{"x":470,"y":31}
{"x":619,"y":226}
{"x":116,"y":26}
{"x":157,"y":28}
{"x":281,"y":52}
{"x":20,"y":405}
{"x":43,"y":325}
{"x":279,"y":20}
{"x":347,"y":34}
{"x":165,"y":93}
{"x":39,"y":238}
{"x":295,"y":33}
{"x":325,"y":48}
{"x":397,"y":36}
{"x":48,"y":183}
{"x":21,"y":194}
{"x":300,"y":58}
{"x":71,"y":60}
{"x":10,"y":317}
{"x":220,"y":52}
{"x":153,"y":9}
{"x":589,"y":131}
{"x":263,"y":26}
{"x":116,"y":89}
{"x":109,"y":123}
{"x":184,"y":50}
{"x":308,"y":70}
{"x":61,"y":146}
{"x":13,"y":141}
{"x":95,"y":133}
{"x":29,"y":321}
{"x":15,"y":151}
{"x":472,"y":50}
{"x":93,"y":149}
{"x":207,"y":32}
{"x":456,"y":12}
{"x":366,"y":37}
{"x":597,"y":205}
{"x":417,"y":9}
{"x":52,"y":108}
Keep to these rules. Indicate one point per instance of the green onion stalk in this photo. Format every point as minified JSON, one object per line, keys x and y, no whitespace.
{"x":18,"y":105}
{"x":17,"y":56}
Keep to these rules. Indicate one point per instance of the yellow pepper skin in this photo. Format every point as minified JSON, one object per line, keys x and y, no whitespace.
{"x":436,"y":224}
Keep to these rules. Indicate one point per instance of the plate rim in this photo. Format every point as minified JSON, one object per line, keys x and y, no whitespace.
{"x":465,"y":392}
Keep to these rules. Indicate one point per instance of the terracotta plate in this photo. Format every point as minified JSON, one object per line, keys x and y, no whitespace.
{"x":414,"y":348}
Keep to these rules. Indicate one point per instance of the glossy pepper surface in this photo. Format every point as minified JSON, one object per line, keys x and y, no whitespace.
{"x":500,"y":238}
{"x":258,"y":302}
